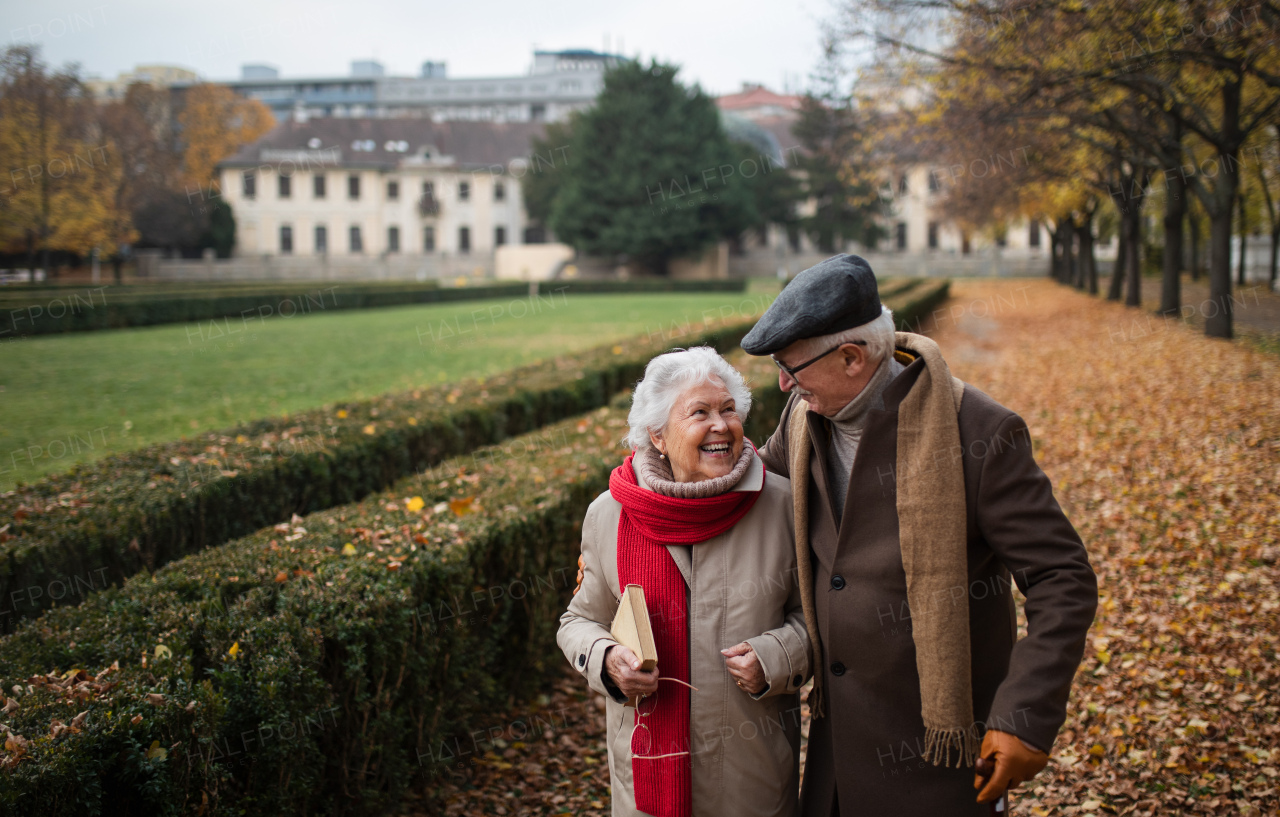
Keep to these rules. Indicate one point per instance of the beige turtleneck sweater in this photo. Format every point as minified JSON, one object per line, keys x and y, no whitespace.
{"x":847,"y":426}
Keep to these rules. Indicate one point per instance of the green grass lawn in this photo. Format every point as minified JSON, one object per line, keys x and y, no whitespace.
{"x":70,"y":398}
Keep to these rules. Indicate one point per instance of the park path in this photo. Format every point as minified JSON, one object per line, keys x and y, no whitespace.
{"x":1164,"y":448}
{"x":1255,"y":307}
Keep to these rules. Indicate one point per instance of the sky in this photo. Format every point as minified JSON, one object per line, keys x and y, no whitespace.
{"x":719,"y":44}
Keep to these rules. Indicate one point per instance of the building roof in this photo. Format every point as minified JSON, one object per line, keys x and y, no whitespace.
{"x":757,"y":96}
{"x":380,"y":143}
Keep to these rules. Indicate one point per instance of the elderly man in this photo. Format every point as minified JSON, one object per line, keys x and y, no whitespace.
{"x":918,"y":506}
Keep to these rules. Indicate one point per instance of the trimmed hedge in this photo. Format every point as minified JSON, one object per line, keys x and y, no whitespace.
{"x":298,"y":675}
{"x":324,"y":678}
{"x":70,"y":534}
{"x":80,"y":309}
{"x":318,"y":666}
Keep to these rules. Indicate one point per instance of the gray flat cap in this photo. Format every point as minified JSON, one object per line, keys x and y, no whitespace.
{"x":832,"y":296}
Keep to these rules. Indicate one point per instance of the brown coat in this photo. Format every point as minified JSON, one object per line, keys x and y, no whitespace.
{"x":866,"y":752}
{"x":741,"y":587}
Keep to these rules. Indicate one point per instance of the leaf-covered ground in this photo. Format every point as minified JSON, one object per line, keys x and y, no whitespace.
{"x":1164,"y":448}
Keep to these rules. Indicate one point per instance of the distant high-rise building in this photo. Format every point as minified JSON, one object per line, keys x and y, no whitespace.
{"x":259,"y":71}
{"x":558,"y":82}
{"x":367,"y":68}
{"x":159,"y":76}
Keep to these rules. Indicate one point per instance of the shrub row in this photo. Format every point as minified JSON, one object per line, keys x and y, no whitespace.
{"x":316,"y":668}
{"x":73,"y":533}
{"x":321,"y":665}
{"x":39,"y":312}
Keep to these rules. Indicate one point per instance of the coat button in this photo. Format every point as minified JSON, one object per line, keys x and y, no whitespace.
{"x":795,"y":682}
{"x":582,"y":660}
{"x":837,"y":668}
{"x":837,"y":582}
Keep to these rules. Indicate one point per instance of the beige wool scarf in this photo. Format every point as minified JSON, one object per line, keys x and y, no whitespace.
{"x":931,"y":533}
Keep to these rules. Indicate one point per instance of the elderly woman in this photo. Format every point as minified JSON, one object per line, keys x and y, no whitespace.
{"x":694,"y":519}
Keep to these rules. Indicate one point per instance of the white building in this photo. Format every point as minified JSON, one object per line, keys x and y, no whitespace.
{"x":383,"y":187}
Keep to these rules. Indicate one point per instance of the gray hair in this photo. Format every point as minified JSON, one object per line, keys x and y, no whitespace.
{"x":880,"y":336}
{"x":667,"y":377}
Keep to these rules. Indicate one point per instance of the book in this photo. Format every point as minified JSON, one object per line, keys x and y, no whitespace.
{"x":631,"y":629}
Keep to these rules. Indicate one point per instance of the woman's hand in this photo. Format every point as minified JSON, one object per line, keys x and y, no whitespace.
{"x":744,"y":667}
{"x":624,"y":668}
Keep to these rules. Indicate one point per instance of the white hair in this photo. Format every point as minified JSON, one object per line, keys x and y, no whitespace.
{"x":880,"y":336}
{"x":667,"y":377}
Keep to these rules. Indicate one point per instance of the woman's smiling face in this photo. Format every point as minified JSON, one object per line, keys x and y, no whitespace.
{"x":703,"y":435}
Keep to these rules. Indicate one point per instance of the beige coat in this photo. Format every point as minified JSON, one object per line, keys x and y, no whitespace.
{"x":742,"y":587}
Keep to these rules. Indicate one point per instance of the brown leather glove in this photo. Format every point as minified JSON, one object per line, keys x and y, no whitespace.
{"x":1015,"y":763}
{"x":580,"y":565}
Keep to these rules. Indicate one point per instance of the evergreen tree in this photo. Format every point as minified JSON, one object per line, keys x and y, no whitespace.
{"x":838,"y":172}
{"x":222,"y":229}
{"x":650,"y":174}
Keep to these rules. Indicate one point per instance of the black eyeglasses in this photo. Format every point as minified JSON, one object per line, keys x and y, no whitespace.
{"x":793,"y":371}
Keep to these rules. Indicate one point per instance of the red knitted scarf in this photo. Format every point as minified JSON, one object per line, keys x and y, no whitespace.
{"x":660,"y":742}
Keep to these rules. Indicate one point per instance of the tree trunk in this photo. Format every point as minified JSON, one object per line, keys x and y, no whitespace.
{"x":1061,"y":252}
{"x":1133,"y":266}
{"x":1275,"y":255}
{"x":1070,"y":256}
{"x":1193,"y":229}
{"x":1116,"y":288}
{"x":1053,"y":255}
{"x":1175,"y":205}
{"x":1088,"y":264}
{"x":1218,"y":204}
{"x":1218,"y":323}
{"x":1244,"y":239}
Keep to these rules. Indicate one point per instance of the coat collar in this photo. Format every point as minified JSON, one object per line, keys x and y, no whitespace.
{"x":900,"y":386}
{"x":752,"y":480}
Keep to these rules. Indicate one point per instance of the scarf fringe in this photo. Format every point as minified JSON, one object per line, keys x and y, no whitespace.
{"x":940,"y":743}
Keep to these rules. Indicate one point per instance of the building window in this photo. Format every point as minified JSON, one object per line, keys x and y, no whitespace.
{"x":393,"y":239}
{"x":356,"y":242}
{"x":284,"y":186}
{"x":902,"y":185}
{"x":250,"y":184}
{"x":1002,"y":240}
{"x":317,"y":186}
{"x":537,"y":112}
{"x":464,"y":239}
{"x":464,"y":191}
{"x":1033,"y":234}
{"x":393,"y":190}
{"x":353,"y":187}
{"x":428,"y":239}
{"x":499,"y":236}
{"x":933,"y":181}
{"x":286,"y":240}
{"x":902,"y":234}
{"x":499,"y":191}
{"x":427,"y":205}
{"x":933,"y":234}
{"x":535,"y":235}
{"x":322,"y":239}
